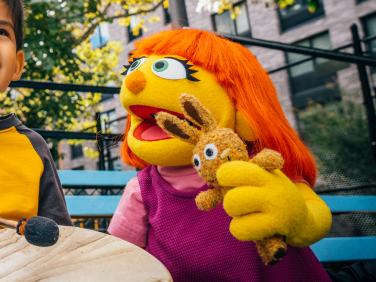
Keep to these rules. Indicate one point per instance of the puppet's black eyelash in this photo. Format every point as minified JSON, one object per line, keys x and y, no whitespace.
{"x":126,"y":69}
{"x":189,"y":71}
{"x":128,"y":66}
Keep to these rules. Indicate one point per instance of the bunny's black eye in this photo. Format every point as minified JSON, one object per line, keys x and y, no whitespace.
{"x":210,"y":152}
{"x":197,"y":161}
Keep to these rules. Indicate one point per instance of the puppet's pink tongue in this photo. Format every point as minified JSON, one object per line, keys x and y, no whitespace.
{"x":154,"y":133}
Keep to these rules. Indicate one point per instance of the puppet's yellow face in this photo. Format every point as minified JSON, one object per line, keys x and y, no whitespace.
{"x":155,"y":83}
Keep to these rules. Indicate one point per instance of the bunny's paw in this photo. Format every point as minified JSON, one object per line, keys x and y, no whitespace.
{"x":271,"y":249}
{"x":269,"y":160}
{"x":208,"y":200}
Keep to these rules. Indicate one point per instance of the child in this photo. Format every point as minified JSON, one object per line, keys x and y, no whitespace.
{"x":158,"y":209}
{"x":29,"y":184}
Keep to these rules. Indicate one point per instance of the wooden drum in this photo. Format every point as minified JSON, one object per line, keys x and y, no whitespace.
{"x":79,"y":255}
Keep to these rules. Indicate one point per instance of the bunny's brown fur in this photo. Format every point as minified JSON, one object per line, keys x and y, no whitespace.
{"x":215,"y":146}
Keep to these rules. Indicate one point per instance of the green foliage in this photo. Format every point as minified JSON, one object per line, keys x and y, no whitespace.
{"x":53,"y":51}
{"x":47,"y":40}
{"x":338,"y":135}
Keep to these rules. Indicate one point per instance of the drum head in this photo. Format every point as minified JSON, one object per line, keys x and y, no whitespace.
{"x":79,"y":255}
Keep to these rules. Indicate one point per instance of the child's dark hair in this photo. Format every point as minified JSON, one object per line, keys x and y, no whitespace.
{"x":16,"y":7}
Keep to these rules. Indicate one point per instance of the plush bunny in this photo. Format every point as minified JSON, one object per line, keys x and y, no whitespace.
{"x":215,"y":146}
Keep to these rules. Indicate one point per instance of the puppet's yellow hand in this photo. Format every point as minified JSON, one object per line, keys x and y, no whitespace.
{"x":262,"y":203}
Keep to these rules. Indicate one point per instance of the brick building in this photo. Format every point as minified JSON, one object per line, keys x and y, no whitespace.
{"x":328,"y":28}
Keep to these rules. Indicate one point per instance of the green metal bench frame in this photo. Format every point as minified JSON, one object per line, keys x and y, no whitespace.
{"x":328,"y":249}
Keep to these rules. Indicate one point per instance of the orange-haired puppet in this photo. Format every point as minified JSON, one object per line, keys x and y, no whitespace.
{"x":158,"y":209}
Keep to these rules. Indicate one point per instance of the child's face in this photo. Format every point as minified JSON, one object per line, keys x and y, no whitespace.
{"x":11,"y":61}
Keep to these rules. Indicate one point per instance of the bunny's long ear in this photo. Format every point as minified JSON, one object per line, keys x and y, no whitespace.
{"x":197,"y":113}
{"x":178,"y":128}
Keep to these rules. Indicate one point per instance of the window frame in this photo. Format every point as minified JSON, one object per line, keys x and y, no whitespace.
{"x":319,"y":92}
{"x":112,"y":161}
{"x":360,"y":1}
{"x":101,"y":44}
{"x":366,"y":34}
{"x":107,"y":114}
{"x":244,"y":34}
{"x":300,"y":17}
{"x":132,"y":37}
{"x":167,"y":16}
{"x":106,"y":96}
{"x":81,"y":167}
{"x":75,"y":156}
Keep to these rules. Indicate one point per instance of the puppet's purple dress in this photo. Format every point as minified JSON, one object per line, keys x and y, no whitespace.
{"x":197,"y":246}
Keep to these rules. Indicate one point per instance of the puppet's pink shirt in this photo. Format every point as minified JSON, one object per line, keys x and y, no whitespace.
{"x":130,"y":221}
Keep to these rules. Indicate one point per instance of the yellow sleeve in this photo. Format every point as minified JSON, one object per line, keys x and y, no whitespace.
{"x":319,"y":219}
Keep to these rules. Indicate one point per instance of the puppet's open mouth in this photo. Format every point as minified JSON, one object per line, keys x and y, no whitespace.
{"x":148,"y":130}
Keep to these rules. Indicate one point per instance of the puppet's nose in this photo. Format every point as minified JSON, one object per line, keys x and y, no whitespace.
{"x":135,"y":82}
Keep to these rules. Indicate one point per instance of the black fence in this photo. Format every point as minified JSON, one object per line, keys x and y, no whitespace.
{"x":331,"y":103}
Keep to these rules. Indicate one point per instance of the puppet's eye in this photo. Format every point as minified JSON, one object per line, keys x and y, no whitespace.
{"x":210,"y":152}
{"x":197,"y":161}
{"x":135,"y":65}
{"x":169,"y":69}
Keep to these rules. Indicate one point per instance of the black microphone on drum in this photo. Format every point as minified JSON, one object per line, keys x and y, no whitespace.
{"x":38,"y":230}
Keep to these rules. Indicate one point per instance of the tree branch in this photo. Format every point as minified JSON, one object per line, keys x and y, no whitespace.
{"x":93,"y":26}
{"x":139,"y":12}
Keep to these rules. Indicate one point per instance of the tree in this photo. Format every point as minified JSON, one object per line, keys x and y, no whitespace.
{"x":53,"y":51}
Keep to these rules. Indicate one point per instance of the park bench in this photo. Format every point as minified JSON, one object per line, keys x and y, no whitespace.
{"x":327,"y":250}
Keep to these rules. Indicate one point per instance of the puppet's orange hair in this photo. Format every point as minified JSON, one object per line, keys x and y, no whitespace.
{"x":248,"y":86}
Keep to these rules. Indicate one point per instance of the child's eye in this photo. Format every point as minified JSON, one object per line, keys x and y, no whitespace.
{"x":3,"y":32}
{"x":169,"y":69}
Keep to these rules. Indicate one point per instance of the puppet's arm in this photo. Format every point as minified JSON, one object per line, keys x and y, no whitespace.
{"x":318,"y":222}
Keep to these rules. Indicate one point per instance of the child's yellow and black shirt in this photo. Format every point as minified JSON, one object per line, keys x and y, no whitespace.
{"x":29,"y":184}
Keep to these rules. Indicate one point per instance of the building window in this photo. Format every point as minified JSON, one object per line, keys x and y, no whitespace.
{"x":369,"y":25}
{"x":81,"y":167}
{"x":106,"y":96}
{"x":107,"y":117}
{"x":134,"y":22}
{"x":114,"y":164}
{"x":298,"y":13}
{"x":360,"y":1}
{"x":310,"y":81}
{"x":167,"y":17}
{"x":101,"y":36}
{"x":223,"y":23}
{"x":76,"y":151}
